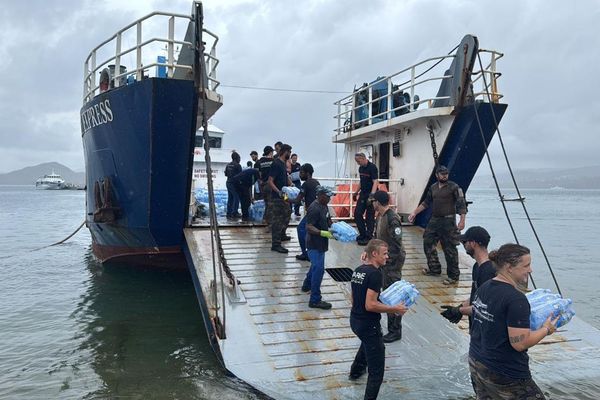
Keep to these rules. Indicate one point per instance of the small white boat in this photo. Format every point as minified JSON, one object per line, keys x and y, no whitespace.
{"x":51,"y":181}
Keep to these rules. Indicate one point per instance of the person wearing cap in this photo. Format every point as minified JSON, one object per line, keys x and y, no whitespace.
{"x":369,"y":180}
{"x":388,"y":228}
{"x":264,"y":166}
{"x":446,"y":199}
{"x":233,"y":200}
{"x":318,"y":222}
{"x":308,"y":194}
{"x":475,"y":241}
{"x":280,"y":208}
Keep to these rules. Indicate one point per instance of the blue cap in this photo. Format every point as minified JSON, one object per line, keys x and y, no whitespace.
{"x":324,"y":190}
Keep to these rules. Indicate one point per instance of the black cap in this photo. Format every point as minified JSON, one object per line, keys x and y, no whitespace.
{"x":381,"y":197}
{"x":476,"y":234}
{"x":267,"y":150}
{"x":441,"y":169}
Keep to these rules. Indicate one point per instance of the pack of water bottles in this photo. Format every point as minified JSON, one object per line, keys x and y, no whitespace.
{"x":201,"y":196}
{"x":343,"y":232}
{"x":399,"y":292}
{"x":291,"y":191}
{"x":257,"y":211}
{"x":546,"y":304}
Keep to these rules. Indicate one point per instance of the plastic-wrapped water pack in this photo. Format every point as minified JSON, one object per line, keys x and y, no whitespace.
{"x":343,"y":232}
{"x":546,"y":304}
{"x":291,"y":191}
{"x":399,"y":292}
{"x":201,"y":196}
{"x":257,"y":210}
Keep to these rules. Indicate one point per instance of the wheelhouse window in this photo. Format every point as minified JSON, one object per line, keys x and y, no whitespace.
{"x":213,"y":142}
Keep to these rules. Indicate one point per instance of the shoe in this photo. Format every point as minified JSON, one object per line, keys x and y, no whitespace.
{"x":353,"y":376}
{"x":279,"y":249}
{"x":246,"y":219}
{"x":302,"y":257}
{"x":362,"y":242}
{"x":286,"y":238}
{"x":236,"y":215}
{"x":392,"y":337}
{"x":450,"y":281}
{"x":305,"y":289}
{"x":322,"y":305}
{"x":297,"y":214}
{"x":428,"y":272}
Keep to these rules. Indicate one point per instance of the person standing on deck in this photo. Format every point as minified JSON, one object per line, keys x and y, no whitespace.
{"x":388,"y":228}
{"x":369,"y":180}
{"x":318,"y":222}
{"x":244,"y":182}
{"x":501,"y":333}
{"x":264,"y":166}
{"x":295,"y":177}
{"x":446,"y":199}
{"x":308,"y":193}
{"x":231,"y":170}
{"x":475,"y":241}
{"x":280,"y":208}
{"x":365,"y":317}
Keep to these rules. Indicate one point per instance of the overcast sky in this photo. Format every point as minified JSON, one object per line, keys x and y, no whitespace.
{"x":550,"y":75}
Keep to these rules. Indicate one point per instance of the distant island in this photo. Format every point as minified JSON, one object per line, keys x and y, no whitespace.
{"x":28,"y":175}
{"x":546,"y":178}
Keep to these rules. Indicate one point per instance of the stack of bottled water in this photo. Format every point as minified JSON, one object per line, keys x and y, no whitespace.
{"x":291,"y":191}
{"x":546,"y":304}
{"x":257,"y":210}
{"x":201,"y":196}
{"x":399,"y":292}
{"x":343,"y":232}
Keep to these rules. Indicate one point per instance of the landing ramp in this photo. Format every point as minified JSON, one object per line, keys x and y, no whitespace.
{"x":276,"y":343}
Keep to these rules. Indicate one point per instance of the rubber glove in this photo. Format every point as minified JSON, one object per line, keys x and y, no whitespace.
{"x":452,"y":314}
{"x":327,"y":234}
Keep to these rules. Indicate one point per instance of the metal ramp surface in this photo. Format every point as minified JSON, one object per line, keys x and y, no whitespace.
{"x":276,"y":343}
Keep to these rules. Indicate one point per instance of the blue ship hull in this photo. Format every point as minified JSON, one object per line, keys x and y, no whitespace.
{"x":138,"y":145}
{"x":465,"y":148}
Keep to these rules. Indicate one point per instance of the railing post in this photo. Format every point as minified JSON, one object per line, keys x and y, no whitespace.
{"x":170,"y":50}
{"x":213,"y":67}
{"x":494,"y":84}
{"x":390,"y":99}
{"x":412,"y":89}
{"x":139,"y":74}
{"x":339,"y":117}
{"x":117,"y":61}
{"x":93,"y":76}
{"x":370,"y":106}
{"x":86,"y":81}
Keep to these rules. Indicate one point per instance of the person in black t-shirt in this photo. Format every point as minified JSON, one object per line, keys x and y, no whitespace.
{"x":475,"y":240}
{"x":231,"y":170}
{"x":264,"y":166}
{"x":369,"y":180}
{"x":500,"y":332}
{"x":243,"y":182}
{"x":365,"y":317}
{"x":318,"y":222}
{"x":308,"y":193}
{"x":280,"y":208}
{"x":296,"y":180}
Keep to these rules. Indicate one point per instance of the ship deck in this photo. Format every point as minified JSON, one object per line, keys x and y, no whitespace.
{"x":289,"y":351}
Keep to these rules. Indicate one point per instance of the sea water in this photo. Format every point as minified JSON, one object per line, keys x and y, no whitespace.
{"x":72,"y":328}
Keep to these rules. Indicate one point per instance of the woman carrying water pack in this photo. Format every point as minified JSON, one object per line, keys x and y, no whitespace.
{"x":500,"y":331}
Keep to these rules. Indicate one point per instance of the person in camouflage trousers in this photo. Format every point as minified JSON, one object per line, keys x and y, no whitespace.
{"x":446,"y":199}
{"x":280,"y":207}
{"x":389,"y":229}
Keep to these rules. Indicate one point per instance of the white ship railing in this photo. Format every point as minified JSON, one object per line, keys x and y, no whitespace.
{"x":422,"y":79}
{"x":334,"y":183}
{"x":143,"y":55}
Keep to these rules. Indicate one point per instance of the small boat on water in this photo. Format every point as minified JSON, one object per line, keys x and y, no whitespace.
{"x":51,"y":181}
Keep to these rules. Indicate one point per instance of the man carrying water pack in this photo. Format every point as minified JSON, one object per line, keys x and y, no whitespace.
{"x":446,"y":199}
{"x":475,"y":241}
{"x":365,"y":317}
{"x":388,"y":228}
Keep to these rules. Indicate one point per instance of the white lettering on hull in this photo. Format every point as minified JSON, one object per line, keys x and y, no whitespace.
{"x":96,"y":115}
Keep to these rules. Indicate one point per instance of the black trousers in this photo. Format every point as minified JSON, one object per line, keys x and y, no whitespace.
{"x":244,"y":195}
{"x":364,"y":225}
{"x":370,"y":355}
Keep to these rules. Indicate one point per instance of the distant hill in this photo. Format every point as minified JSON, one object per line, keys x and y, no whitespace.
{"x":568,"y":178}
{"x":28,"y":175}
